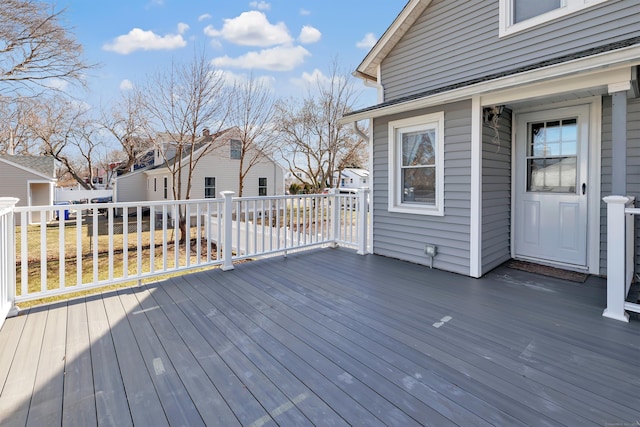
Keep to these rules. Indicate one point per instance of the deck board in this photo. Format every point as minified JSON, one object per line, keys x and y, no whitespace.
{"x":202,"y":391}
{"x":78,"y":402}
{"x":325,"y":337}
{"x":144,"y":403}
{"x":176,"y":402}
{"x":474,"y":349}
{"x":46,"y":402}
{"x":111,"y":401}
{"x":195,"y":329}
{"x":16,"y":393}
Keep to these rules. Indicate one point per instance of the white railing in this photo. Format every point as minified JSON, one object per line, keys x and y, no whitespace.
{"x":78,"y":247}
{"x":620,"y":256}
{"x":266,"y":225}
{"x":7,"y":256}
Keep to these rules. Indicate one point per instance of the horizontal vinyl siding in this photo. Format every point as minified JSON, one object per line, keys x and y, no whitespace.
{"x":14,"y":183}
{"x":457,"y":40}
{"x":496,"y":193}
{"x":403,"y":236}
{"x":132,"y":187}
{"x":633,"y":171}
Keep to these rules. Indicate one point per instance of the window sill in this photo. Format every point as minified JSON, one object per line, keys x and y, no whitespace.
{"x":507,"y":30}
{"x":417,"y":210}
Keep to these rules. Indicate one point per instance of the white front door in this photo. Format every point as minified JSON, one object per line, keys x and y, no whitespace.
{"x":551,"y":179}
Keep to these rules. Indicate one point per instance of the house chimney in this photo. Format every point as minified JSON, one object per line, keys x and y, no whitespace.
{"x":205,"y":132}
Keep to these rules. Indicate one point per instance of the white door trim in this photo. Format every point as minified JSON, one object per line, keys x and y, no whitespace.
{"x":594,"y":174}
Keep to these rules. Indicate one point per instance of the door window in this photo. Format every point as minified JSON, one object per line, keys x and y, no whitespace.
{"x":552,"y":156}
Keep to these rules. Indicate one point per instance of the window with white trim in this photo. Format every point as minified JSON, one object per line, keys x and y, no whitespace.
{"x":518,"y":15}
{"x":209,"y":187}
{"x":416,"y":165}
{"x":235,"y":149}
{"x":262,"y":186}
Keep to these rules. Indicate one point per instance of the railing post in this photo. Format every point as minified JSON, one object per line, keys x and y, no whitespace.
{"x":7,"y":259}
{"x":227,"y":223}
{"x":363,"y":215}
{"x":335,"y":217}
{"x":616,"y":258}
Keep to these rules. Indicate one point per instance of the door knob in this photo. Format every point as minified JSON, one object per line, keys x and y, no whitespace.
{"x":584,"y":188}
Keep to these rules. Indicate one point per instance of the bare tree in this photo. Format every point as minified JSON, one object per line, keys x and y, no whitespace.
{"x":315,"y":144}
{"x":16,"y":117}
{"x":35,"y":47}
{"x":252,"y":111}
{"x":183,"y":102}
{"x":127,"y":122}
{"x":62,"y":130}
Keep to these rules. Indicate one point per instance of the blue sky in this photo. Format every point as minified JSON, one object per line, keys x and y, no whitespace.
{"x":289,"y":42}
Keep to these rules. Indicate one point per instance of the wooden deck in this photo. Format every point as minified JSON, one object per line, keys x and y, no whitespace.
{"x":325,"y":337}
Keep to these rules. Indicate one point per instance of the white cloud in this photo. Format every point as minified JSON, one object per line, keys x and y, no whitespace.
{"x":251,"y":29}
{"x":260,"y":5}
{"x":281,"y":58}
{"x":126,"y":85}
{"x":315,"y":78}
{"x":230,"y":78}
{"x":138,"y":39}
{"x":182,"y":27}
{"x":305,"y":12}
{"x":203,"y":17}
{"x":57,"y":84}
{"x":309,"y":34}
{"x":367,"y":42}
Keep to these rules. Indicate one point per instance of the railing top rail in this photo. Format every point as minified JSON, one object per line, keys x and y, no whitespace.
{"x":118,"y":204}
{"x":634,"y":211}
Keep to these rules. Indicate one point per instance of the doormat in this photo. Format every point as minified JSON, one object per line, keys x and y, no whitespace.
{"x":544,"y":270}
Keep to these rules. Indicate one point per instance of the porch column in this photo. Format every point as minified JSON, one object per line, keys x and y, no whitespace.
{"x":618,"y":94}
{"x":616,"y":258}
{"x":7,"y":259}
{"x":227,"y":226}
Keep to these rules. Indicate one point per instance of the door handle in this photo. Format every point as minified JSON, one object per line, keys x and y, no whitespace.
{"x":584,"y":188}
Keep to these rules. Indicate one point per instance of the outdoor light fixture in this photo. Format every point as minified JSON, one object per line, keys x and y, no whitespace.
{"x":492,"y":113}
{"x":430,"y":251}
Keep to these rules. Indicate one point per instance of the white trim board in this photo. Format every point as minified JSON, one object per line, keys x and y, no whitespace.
{"x":594,"y":173}
{"x":475,"y":231}
{"x":597,"y":70}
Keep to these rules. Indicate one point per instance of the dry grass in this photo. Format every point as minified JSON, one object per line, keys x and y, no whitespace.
{"x":85,"y":264}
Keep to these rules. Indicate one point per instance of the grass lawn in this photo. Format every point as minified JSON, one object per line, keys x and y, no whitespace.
{"x":73,"y":266}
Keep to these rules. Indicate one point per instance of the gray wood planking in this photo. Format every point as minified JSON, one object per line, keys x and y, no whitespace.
{"x":325,"y":337}
{"x":46,"y":401}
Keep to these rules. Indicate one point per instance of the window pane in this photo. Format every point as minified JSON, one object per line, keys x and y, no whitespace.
{"x":418,"y":148}
{"x":552,"y":133}
{"x":557,"y":175}
{"x":262,"y":186}
{"x":525,"y":9}
{"x":210,"y":187}
{"x":419,"y":185}
{"x":236,"y":149}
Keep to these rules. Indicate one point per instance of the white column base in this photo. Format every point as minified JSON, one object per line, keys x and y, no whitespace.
{"x":624,"y":317}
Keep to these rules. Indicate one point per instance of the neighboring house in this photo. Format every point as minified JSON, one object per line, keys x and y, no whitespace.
{"x":29,"y":178}
{"x":353,"y":178}
{"x":500,"y":127}
{"x":292,"y":178}
{"x":216,"y":172}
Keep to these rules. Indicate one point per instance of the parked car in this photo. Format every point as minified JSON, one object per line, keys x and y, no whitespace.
{"x":107,"y":199}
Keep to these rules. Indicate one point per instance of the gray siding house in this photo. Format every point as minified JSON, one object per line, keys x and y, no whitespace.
{"x":500,"y":127}
{"x":29,"y":178}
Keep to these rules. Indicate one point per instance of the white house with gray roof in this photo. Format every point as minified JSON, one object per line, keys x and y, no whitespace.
{"x":500,"y":126}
